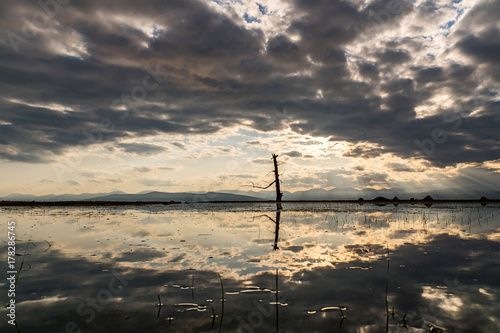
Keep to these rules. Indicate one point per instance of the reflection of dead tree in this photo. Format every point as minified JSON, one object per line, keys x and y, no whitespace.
{"x":277,"y":302}
{"x":279,"y":195}
{"x":277,"y":228}
{"x":276,"y":181}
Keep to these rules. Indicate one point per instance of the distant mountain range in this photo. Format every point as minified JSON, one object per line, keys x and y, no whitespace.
{"x":56,"y":197}
{"x":164,"y":196}
{"x":122,"y":196}
{"x":235,"y":195}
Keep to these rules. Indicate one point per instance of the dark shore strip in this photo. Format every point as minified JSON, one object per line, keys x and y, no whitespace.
{"x":145,"y":203}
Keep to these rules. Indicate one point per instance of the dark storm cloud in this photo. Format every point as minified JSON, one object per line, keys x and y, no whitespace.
{"x":484,"y":47}
{"x":216,"y":74}
{"x":364,"y":152}
{"x":368,"y":70}
{"x":143,"y":149}
{"x":393,"y":56}
{"x":400,"y":167}
{"x":324,"y":25}
{"x":179,"y":145}
{"x":143,"y":169}
{"x":429,"y":74}
{"x":293,"y":153}
{"x":373,"y":178}
{"x":281,"y":46}
{"x":254,"y":143}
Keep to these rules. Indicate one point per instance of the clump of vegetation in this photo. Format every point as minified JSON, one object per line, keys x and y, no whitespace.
{"x":381,"y":199}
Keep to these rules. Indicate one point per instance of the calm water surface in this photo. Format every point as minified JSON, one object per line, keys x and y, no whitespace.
{"x":252,"y":268}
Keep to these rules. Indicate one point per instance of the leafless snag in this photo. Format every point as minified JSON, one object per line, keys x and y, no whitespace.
{"x":279,"y":195}
{"x":276,"y":181}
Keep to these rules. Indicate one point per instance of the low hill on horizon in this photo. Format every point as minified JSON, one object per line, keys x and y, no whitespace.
{"x":238,"y":195}
{"x":143,"y":196}
{"x":182,"y":196}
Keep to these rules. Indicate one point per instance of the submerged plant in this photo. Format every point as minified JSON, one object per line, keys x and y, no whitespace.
{"x":222,"y":300}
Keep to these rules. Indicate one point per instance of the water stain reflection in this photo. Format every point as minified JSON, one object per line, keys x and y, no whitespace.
{"x":205,"y":268}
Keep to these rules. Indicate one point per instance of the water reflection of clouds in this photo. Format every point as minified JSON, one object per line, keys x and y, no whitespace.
{"x":426,"y":298}
{"x":187,"y":238}
{"x":441,"y":271}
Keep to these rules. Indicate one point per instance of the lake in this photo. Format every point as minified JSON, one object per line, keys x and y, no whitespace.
{"x":311,"y":267}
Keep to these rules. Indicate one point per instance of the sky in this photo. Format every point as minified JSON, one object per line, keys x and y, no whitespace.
{"x":183,"y":95}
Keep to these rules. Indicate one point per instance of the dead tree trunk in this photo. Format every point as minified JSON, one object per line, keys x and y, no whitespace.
{"x":279,"y":195}
{"x":276,"y":181}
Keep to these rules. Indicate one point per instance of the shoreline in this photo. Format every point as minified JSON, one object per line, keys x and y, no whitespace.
{"x":145,"y":203}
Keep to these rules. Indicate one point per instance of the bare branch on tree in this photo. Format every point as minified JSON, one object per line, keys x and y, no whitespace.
{"x":255,"y":186}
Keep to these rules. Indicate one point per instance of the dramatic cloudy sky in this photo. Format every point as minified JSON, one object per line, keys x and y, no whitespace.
{"x":181,"y":95}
